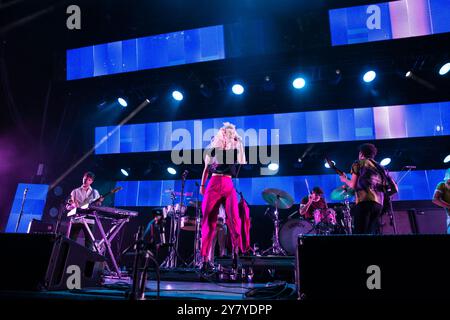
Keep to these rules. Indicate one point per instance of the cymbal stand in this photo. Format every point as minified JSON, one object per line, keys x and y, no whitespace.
{"x":171,"y":261}
{"x":197,"y":242}
{"x":276,"y":248}
{"x":347,"y":216}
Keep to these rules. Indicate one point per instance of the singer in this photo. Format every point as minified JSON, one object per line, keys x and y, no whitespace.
{"x":222,"y":159}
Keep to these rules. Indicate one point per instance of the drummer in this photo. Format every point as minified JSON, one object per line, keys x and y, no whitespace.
{"x":312,"y":202}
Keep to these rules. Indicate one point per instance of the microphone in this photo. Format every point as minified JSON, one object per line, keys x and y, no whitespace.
{"x":185,"y":173}
{"x":410,"y":167}
{"x":25,"y":191}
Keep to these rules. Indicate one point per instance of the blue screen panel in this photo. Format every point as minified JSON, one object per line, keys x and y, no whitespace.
{"x":164,"y":50}
{"x":33,"y":206}
{"x":389,"y":20}
{"x":414,"y":185}
{"x":404,"y":121}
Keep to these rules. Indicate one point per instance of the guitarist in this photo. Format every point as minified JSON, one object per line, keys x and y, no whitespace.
{"x":78,"y":198}
{"x":370,"y":182}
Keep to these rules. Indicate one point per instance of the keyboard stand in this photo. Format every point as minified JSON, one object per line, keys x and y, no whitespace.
{"x":107,"y":238}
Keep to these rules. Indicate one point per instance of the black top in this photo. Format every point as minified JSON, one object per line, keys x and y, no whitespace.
{"x":224,"y":161}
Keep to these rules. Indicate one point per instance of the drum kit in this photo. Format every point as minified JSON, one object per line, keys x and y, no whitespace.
{"x":180,"y":217}
{"x":326,"y":221}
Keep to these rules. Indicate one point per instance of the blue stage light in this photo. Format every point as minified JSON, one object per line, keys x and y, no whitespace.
{"x":171,"y":170}
{"x":237,"y":89}
{"x":369,"y":76}
{"x":122,"y":102}
{"x":447,"y":159}
{"x":444,"y":69}
{"x":273,"y":166}
{"x":299,"y":83}
{"x":385,"y":161}
{"x":124,"y":172}
{"x":177,"y":95}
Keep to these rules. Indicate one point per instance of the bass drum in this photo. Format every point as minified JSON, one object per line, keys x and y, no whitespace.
{"x":290,"y":231}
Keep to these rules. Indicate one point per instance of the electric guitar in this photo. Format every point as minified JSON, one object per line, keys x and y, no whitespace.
{"x":85,"y":206}
{"x":333,"y":166}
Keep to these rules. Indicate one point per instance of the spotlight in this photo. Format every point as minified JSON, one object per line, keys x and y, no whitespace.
{"x":171,"y":170}
{"x":177,"y":95}
{"x":444,"y":69}
{"x":328,"y":166}
{"x":385,"y":161}
{"x":237,"y":89}
{"x":298,"y":83}
{"x":369,"y":76}
{"x":53,"y":212}
{"x":122,"y":102}
{"x":408,"y":74}
{"x":273,"y":166}
{"x":124,"y":172}
{"x":447,"y":159}
{"x":58,"y":191}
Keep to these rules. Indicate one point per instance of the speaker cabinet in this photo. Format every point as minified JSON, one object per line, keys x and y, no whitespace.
{"x":416,"y":221}
{"x":372,"y":267}
{"x":404,"y":223}
{"x":41,"y":261}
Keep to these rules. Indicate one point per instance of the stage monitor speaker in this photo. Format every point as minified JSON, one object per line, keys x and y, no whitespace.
{"x":430,"y":220}
{"x":42,"y":261}
{"x":363,"y":267}
{"x":403,"y":220}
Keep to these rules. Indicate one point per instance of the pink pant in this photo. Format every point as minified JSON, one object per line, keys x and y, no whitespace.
{"x":220,"y":190}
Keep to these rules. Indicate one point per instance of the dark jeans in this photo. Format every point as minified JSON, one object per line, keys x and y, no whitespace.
{"x":366,"y":217}
{"x":75,"y":232}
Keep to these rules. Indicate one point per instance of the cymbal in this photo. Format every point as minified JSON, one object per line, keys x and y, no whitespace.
{"x":279,"y":198}
{"x":177,"y":193}
{"x":194,"y":204}
{"x":341,"y":193}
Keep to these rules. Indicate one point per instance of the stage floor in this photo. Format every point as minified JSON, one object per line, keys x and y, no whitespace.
{"x":169,"y":290}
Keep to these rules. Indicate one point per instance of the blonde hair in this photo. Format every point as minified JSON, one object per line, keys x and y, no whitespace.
{"x":227,"y":138}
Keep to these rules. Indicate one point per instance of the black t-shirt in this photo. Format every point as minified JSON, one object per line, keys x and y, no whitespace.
{"x":321,"y":204}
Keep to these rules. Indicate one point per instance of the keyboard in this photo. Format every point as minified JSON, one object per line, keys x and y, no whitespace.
{"x":111,"y":212}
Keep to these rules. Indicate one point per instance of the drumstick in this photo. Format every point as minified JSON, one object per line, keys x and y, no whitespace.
{"x":307,"y":186}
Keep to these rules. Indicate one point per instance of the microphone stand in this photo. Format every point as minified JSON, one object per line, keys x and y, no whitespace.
{"x":391,"y":216}
{"x":197,"y":242}
{"x":21,"y":208}
{"x":391,"y":209}
{"x":58,"y":220}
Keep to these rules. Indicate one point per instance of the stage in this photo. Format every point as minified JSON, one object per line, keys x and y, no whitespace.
{"x":292,"y":151}
{"x":169,"y":290}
